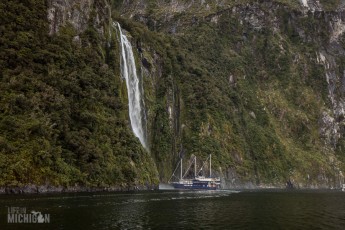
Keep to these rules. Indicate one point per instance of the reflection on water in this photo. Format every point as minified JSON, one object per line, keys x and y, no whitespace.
{"x":184,"y":210}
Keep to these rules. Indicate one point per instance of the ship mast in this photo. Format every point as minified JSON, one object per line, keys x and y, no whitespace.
{"x":210,"y":166}
{"x":181,"y":169}
{"x":195,"y":167}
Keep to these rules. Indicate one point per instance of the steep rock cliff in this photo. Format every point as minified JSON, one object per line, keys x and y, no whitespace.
{"x":259,"y":84}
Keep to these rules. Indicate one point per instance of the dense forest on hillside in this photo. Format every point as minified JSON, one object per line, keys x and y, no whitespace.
{"x":63,"y":117}
{"x":259,"y":84}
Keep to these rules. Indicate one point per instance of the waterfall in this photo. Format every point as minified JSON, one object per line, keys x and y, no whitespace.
{"x":135,"y":89}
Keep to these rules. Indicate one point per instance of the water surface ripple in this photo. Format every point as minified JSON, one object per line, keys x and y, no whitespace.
{"x":184,"y":210}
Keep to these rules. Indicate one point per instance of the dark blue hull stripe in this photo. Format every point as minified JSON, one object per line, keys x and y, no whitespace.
{"x":204,"y":187}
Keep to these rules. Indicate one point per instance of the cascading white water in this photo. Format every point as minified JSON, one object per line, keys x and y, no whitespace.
{"x":134,"y":89}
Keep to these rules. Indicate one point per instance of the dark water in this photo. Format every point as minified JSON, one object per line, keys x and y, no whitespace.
{"x":184,"y":210}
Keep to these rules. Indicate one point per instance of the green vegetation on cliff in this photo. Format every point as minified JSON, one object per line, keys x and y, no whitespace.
{"x":63,"y":117}
{"x":246,"y":87}
{"x":241,"y":81}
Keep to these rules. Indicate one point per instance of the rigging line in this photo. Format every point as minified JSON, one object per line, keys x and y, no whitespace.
{"x":190,"y":164}
{"x":174,"y":171}
{"x":203,"y":164}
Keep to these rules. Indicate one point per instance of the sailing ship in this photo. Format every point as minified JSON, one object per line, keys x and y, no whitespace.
{"x":197,"y":182}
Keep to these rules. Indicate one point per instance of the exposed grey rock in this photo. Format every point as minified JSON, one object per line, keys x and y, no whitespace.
{"x":252,"y":114}
{"x":77,"y":13}
{"x":312,"y":5}
{"x":332,"y":119}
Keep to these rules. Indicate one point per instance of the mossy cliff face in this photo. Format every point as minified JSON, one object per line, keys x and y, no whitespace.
{"x":259,"y":84}
{"x":64,"y":114}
